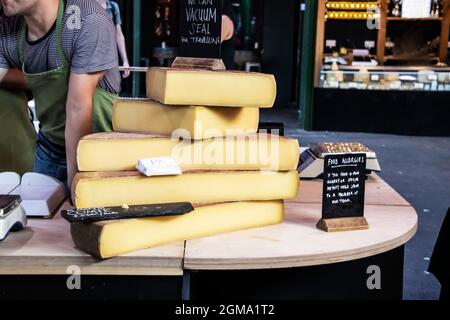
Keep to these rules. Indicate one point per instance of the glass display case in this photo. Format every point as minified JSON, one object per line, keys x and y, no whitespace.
{"x":383,"y":45}
{"x":386,"y":78}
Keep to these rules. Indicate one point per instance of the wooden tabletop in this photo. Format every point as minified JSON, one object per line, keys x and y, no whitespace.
{"x":46,"y":248}
{"x":297,"y":242}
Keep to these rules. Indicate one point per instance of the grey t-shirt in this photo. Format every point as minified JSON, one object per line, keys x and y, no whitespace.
{"x":88,"y":42}
{"x":113,"y":10}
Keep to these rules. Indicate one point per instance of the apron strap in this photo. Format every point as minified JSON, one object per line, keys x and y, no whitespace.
{"x":21,"y":42}
{"x":59,"y":23}
{"x":59,"y":48}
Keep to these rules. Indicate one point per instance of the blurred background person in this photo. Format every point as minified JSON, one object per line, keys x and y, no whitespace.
{"x":17,"y":133}
{"x":228,"y":31}
{"x":113,"y":10}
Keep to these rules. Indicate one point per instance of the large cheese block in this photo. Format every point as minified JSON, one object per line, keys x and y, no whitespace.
{"x":114,"y":151}
{"x":110,"y":189}
{"x":113,"y":238}
{"x":196,"y":123}
{"x":211,"y":88}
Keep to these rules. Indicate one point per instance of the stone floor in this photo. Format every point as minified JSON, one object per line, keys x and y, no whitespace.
{"x":419,"y":169}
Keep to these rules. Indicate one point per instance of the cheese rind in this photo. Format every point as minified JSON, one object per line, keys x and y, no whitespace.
{"x":196,"y":123}
{"x":211,"y":88}
{"x":114,"y":151}
{"x":110,"y":189}
{"x":109,"y":239}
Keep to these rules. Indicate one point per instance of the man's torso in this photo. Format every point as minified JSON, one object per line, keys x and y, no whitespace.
{"x":84,"y":24}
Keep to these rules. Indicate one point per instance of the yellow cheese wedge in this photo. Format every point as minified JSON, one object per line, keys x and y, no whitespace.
{"x":114,"y":151}
{"x":109,"y":239}
{"x":211,"y":88}
{"x":109,"y":189}
{"x":196,"y":123}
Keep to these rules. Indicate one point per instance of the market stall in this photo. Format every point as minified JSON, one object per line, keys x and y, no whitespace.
{"x":290,"y":260}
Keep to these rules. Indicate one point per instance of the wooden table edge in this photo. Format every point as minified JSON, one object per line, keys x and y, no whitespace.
{"x":134,"y":266}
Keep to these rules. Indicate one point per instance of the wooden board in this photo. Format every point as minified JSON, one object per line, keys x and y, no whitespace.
{"x":297,"y":242}
{"x":445,"y":29}
{"x":378,"y":192}
{"x":198,"y":63}
{"x":320,"y":39}
{"x":46,"y":248}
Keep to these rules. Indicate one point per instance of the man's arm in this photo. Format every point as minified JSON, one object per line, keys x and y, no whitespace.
{"x":122,"y":50}
{"x":227,"y":28}
{"x":3,"y":73}
{"x":79,"y":115}
{"x":228,"y":24}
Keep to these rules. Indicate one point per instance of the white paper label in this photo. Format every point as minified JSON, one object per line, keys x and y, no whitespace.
{"x":330,"y":43}
{"x":369,"y":44}
{"x":153,"y":167}
{"x":416,"y":8}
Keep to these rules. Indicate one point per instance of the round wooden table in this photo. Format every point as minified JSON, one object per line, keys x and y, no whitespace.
{"x":297,"y":260}
{"x":292,"y":260}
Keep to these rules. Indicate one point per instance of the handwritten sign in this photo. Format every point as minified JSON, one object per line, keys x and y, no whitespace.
{"x":200,"y":28}
{"x":118,"y":213}
{"x":344,"y":186}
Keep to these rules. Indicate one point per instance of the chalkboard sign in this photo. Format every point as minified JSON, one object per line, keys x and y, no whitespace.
{"x":200,"y":28}
{"x":118,"y":213}
{"x":344,"y":186}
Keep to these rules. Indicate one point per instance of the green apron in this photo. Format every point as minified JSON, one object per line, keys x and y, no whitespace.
{"x":50,"y":91}
{"x":17,"y":134}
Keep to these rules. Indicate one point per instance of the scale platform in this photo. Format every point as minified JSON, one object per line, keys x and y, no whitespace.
{"x":41,"y":195}
{"x":8,"y":182}
{"x":312,"y":159}
{"x":12,"y":215}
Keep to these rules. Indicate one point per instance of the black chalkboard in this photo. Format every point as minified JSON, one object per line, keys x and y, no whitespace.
{"x":119,"y":213}
{"x":200,"y":28}
{"x":344,"y":186}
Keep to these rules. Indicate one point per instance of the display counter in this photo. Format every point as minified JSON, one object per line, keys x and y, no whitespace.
{"x":386,"y":78}
{"x":386,"y":73}
{"x":290,"y":260}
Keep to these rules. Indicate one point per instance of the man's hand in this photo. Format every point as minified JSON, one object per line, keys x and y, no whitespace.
{"x":127,"y":72}
{"x":227,"y":28}
{"x":12,"y":79}
{"x":79,"y":115}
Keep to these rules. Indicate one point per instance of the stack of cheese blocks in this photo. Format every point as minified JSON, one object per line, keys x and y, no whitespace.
{"x":234,"y":182}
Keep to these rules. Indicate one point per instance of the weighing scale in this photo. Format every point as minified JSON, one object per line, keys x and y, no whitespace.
{"x":12,"y":215}
{"x":41,"y":195}
{"x":312,"y":159}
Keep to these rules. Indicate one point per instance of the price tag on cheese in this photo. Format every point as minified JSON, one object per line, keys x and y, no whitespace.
{"x":153,"y":167}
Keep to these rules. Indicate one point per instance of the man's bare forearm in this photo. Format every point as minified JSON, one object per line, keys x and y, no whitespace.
{"x":122,"y":46}
{"x":123,"y":50}
{"x":78,"y":125}
{"x":79,"y":107}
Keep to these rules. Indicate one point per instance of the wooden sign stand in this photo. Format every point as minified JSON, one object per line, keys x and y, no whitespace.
{"x":199,"y":63}
{"x":343,"y":192}
{"x":343,"y":224}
